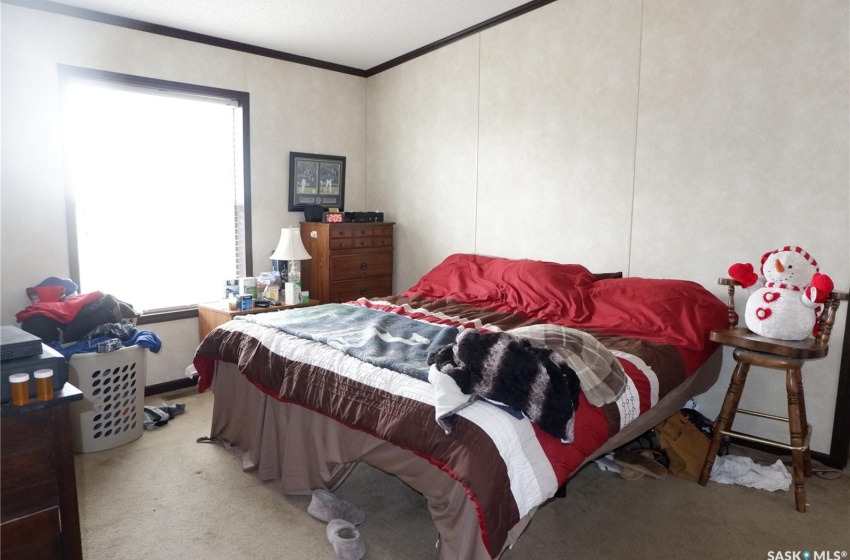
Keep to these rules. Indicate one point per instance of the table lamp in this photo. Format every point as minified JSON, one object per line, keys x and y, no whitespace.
{"x":290,"y":248}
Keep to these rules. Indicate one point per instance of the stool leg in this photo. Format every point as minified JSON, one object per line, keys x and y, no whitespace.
{"x":725,"y":418}
{"x":804,"y":425}
{"x":794,"y":386}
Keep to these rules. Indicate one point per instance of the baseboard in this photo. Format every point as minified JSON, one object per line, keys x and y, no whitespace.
{"x":827,"y":460}
{"x":169,"y":386}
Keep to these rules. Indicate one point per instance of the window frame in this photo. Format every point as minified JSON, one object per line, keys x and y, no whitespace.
{"x":67,"y":72}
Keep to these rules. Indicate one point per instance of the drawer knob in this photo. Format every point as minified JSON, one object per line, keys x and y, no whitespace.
{"x":363,"y":290}
{"x":364,"y":265}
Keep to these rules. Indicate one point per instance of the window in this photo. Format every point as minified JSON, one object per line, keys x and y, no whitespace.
{"x":158,"y":181}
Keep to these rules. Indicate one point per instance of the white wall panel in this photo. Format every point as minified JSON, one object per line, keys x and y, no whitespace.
{"x":118,"y":49}
{"x":743,"y":148}
{"x":32,"y":195}
{"x":557,"y":134}
{"x":422,"y":142}
{"x":297,"y":108}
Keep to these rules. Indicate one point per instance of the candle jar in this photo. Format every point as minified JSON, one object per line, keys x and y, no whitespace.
{"x":44,"y":384}
{"x":20,"y":386}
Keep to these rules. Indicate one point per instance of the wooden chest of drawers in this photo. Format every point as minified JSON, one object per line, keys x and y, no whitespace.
{"x":39,"y":517}
{"x":349,"y":260}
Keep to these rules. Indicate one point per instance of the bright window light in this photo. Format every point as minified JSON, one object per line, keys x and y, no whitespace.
{"x":157,"y":184}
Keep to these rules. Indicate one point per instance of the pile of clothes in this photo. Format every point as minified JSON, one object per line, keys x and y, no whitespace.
{"x":72,"y":323}
{"x":156,"y":416}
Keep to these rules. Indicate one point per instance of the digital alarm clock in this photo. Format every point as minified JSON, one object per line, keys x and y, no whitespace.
{"x":333,"y":217}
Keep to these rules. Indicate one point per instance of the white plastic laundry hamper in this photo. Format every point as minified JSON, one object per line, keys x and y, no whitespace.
{"x":112,"y":410}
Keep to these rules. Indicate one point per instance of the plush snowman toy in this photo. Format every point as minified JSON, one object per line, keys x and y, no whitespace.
{"x":784,"y":304}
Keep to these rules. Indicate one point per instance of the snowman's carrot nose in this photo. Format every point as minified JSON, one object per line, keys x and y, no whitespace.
{"x":779,"y":267}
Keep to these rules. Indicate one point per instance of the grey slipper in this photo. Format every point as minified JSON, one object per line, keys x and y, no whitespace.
{"x":346,"y":540}
{"x":327,"y":507}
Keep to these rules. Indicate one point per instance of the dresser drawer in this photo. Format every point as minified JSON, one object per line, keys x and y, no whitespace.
{"x":28,"y":466}
{"x":352,"y":230}
{"x":352,"y":243}
{"x":360,"y":242}
{"x":366,"y":287}
{"x":361,"y":265}
{"x":384,"y":230}
{"x":382,"y":241}
{"x":29,"y":483}
{"x":35,"y":536}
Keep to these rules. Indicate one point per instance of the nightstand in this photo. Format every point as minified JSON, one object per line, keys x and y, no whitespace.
{"x":213,"y":314}
{"x":39,"y":517}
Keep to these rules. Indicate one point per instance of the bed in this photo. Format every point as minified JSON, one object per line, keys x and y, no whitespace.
{"x":302,"y":406}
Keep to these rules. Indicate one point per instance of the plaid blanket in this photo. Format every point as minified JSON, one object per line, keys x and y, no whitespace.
{"x":601,"y":376}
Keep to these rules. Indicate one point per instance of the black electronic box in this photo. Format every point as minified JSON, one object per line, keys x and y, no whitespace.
{"x":16,"y":343}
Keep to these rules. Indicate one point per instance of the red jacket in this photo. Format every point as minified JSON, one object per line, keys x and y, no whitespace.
{"x":62,"y":311}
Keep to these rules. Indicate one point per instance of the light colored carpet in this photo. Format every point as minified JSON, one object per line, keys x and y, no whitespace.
{"x":165,"y":496}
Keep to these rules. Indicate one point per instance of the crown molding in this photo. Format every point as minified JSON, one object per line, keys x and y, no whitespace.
{"x":138,"y":25}
{"x":119,"y":21}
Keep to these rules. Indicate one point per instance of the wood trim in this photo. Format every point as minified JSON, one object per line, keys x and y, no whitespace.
{"x":67,"y":72}
{"x":840,"y":445}
{"x":823,"y":458}
{"x":246,"y":185}
{"x":169,"y":386}
{"x":68,"y":505}
{"x":119,"y":21}
{"x":607,"y":275}
{"x":162,"y":317}
{"x":493,"y":21}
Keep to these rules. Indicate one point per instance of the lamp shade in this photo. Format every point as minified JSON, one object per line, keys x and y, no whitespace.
{"x":290,"y":246}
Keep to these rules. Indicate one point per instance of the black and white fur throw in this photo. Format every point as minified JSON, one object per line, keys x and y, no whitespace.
{"x":509,"y":370}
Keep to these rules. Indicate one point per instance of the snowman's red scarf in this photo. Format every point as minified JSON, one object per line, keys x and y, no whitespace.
{"x":782,"y":286}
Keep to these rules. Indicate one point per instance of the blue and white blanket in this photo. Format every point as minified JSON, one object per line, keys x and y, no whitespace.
{"x":384,"y":340}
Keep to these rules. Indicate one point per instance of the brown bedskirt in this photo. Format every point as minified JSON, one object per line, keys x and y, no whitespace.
{"x":305,"y":450}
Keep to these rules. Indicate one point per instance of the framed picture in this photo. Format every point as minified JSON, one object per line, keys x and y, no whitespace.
{"x":316,"y":179}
